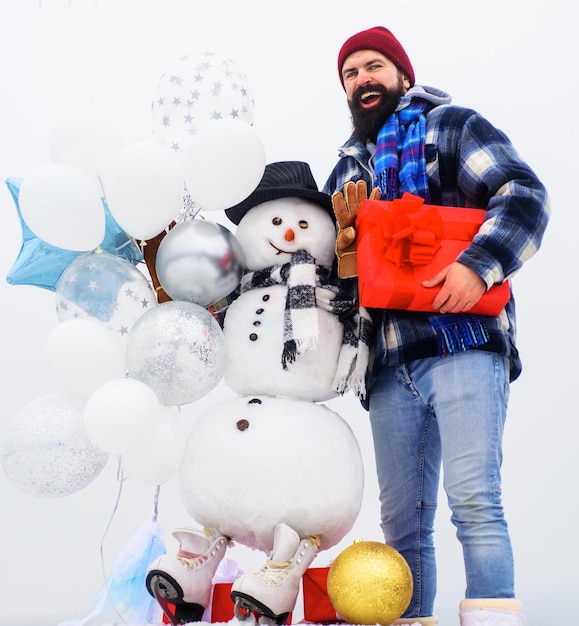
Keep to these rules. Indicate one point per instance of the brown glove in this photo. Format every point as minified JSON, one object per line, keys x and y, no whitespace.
{"x":346,"y":205}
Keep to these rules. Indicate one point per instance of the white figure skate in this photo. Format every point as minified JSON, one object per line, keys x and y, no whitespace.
{"x":270,"y":594}
{"x":185,"y":579}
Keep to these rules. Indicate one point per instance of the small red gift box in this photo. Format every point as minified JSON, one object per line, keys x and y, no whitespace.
{"x":317,"y":605}
{"x":403,"y":242}
{"x":221,"y":603}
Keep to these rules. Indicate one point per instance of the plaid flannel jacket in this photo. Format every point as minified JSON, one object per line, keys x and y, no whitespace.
{"x":470,"y":163}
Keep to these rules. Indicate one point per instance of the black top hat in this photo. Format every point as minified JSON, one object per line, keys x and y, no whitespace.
{"x":283,"y":179}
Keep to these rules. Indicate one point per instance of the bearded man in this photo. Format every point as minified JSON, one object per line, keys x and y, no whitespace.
{"x":438,"y":388}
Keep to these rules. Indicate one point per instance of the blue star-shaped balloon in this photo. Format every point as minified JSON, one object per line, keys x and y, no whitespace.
{"x":41,"y":264}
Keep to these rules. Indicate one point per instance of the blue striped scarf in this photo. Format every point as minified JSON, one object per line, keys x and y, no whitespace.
{"x":400,"y":164}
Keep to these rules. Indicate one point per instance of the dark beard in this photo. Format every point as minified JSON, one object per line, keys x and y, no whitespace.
{"x":367,"y":122}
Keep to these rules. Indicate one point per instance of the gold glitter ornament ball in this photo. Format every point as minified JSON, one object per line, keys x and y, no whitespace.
{"x":370,"y":583}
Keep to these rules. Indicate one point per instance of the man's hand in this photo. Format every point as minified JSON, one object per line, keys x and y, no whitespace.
{"x":346,"y":206}
{"x":461,"y":288}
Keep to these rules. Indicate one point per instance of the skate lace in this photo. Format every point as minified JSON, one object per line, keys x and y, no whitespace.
{"x":275,"y":571}
{"x":190,"y":559}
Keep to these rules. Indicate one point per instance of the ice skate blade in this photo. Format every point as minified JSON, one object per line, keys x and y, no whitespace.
{"x":168,"y":593}
{"x":246,"y":606}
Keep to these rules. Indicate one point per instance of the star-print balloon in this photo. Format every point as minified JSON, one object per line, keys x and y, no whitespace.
{"x":198,"y":88}
{"x":41,"y":264}
{"x":104,"y":287}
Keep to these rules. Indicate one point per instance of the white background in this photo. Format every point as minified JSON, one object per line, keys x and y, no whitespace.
{"x":513,"y":61}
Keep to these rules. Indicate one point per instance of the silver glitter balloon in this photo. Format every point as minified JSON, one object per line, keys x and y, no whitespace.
{"x":45,"y":451}
{"x":199,"y":261}
{"x":177,"y":349}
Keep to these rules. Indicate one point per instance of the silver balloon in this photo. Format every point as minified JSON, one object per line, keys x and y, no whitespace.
{"x":45,"y":451}
{"x":199,"y":261}
{"x":177,"y":349}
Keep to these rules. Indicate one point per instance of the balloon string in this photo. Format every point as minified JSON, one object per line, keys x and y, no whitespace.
{"x":120,"y":479}
{"x":156,"y":504}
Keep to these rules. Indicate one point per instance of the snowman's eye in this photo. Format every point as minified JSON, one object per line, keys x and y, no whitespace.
{"x":276,"y":221}
{"x":303,"y":224}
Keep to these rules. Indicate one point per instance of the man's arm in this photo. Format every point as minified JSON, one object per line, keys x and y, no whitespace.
{"x":493,"y":176}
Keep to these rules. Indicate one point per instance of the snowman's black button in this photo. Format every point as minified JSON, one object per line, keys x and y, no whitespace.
{"x":253,"y":337}
{"x":257,"y":323}
{"x":259,"y":311}
{"x":265,"y":297}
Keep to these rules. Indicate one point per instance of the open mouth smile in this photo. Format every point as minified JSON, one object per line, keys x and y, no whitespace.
{"x":369,"y":98}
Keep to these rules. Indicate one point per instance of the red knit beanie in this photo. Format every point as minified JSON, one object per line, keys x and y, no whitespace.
{"x":382,"y":40}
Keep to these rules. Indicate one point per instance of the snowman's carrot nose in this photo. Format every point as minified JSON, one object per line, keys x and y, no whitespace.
{"x":289,"y":234}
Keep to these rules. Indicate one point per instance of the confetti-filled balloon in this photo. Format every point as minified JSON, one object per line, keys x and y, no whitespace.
{"x":177,"y":349}
{"x":370,"y":583}
{"x":45,"y":451}
{"x":199,"y":261}
{"x":106,"y":288}
{"x":198,"y":88}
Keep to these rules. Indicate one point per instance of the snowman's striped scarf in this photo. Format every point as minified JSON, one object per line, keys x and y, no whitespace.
{"x":309,"y":288}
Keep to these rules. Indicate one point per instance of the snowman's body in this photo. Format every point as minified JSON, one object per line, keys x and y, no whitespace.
{"x":254,"y":324}
{"x":252,"y":463}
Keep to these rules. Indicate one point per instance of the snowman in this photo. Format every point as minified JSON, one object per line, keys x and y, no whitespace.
{"x":273,"y":469}
{"x":291,"y":332}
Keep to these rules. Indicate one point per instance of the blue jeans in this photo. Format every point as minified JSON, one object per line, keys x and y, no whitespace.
{"x":448,"y":411}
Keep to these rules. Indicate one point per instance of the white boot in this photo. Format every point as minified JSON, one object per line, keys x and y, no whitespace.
{"x":185,"y":579}
{"x":273,"y":590}
{"x":491,"y":612}
{"x":416,"y":621}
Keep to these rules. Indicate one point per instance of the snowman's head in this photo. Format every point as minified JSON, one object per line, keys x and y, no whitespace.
{"x":270,"y":232}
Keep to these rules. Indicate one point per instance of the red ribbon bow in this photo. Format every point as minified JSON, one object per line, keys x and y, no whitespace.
{"x":412,"y":233}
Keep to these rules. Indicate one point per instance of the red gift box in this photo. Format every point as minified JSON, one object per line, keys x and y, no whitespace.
{"x":317,"y":605}
{"x":222,"y":608}
{"x":403,"y":242}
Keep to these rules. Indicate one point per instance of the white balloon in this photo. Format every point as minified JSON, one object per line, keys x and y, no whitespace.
{"x":121,"y":415}
{"x":158,"y":461}
{"x":223,"y":164}
{"x":62,"y":206}
{"x":83,"y":354}
{"x":86,"y":137}
{"x":144,"y":188}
